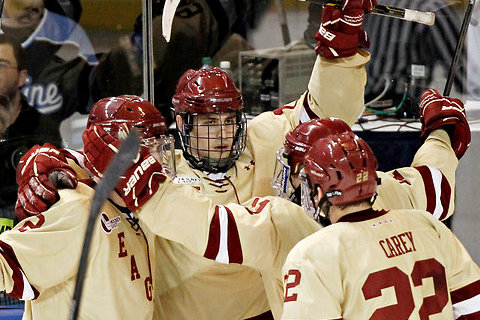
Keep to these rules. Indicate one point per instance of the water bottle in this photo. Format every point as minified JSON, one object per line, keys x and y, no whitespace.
{"x":206,"y":63}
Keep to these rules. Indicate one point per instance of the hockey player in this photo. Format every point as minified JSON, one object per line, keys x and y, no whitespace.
{"x":409,"y":183}
{"x":261,"y":232}
{"x":235,"y":175}
{"x":39,"y":257}
{"x":428,"y":184}
{"x":341,"y":271}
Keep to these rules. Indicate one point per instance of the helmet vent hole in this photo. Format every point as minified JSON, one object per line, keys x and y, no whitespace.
{"x":339,"y":175}
{"x":129,"y":109}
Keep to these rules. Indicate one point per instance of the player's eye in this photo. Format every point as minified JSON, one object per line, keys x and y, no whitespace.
{"x":230,"y":121}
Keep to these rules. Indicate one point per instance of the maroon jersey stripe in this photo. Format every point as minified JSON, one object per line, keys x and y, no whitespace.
{"x":213,"y":237}
{"x":445,"y":196}
{"x":471,"y":316}
{"x":234,"y":245}
{"x":18,"y":285}
{"x":466,"y":292}
{"x":429,"y":187}
{"x":309,"y":111}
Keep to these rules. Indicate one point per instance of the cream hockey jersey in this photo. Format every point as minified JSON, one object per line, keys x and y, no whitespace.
{"x":39,"y":260}
{"x":182,"y":276}
{"x":258,"y":234}
{"x":422,"y":186}
{"x":401,"y":264}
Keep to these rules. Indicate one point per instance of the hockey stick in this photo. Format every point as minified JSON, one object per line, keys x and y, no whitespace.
{"x":458,"y":49}
{"x":282,"y":17}
{"x":427,"y":18}
{"x":120,"y":163}
{"x":167,"y":17}
{"x":148,"y":65}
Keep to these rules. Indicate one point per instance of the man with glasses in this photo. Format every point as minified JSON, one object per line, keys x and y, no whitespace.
{"x":21,"y":126}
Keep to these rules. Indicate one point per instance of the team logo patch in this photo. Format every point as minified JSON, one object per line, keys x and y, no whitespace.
{"x":109,"y":224}
{"x":186,"y":180}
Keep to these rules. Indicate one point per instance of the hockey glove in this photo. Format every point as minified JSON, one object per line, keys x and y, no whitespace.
{"x":140,"y":181}
{"x":40,"y":172}
{"x":439,"y":112}
{"x":341,"y":31}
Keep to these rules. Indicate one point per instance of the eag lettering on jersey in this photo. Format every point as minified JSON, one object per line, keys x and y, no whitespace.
{"x":397,"y":245}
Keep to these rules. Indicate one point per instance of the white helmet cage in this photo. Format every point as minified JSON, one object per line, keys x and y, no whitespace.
{"x":281,"y":183}
{"x":163,"y":149}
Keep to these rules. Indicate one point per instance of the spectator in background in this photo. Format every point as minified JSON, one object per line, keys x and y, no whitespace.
{"x":58,"y":56}
{"x":21,"y":126}
{"x":69,"y":8}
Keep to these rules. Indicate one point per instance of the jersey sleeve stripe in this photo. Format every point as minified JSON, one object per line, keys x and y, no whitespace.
{"x":222,"y":255}
{"x":223,"y":240}
{"x":21,"y":287}
{"x":234,"y":245}
{"x":468,"y":309}
{"x":465,"y":293}
{"x":466,"y":301}
{"x":213,"y":237}
{"x":437,"y":190}
{"x":471,"y":316}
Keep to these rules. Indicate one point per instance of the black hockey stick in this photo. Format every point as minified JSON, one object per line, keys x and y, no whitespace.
{"x":1,"y":12}
{"x":427,"y":18}
{"x":458,"y":49}
{"x":148,"y":64}
{"x":120,"y":163}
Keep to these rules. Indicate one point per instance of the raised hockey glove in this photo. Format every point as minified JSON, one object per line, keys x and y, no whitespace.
{"x":40,"y":172}
{"x":140,"y":181}
{"x":439,"y":112}
{"x":341,"y":31}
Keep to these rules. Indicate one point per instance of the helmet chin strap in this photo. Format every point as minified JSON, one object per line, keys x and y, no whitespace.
{"x":296,"y":195}
{"x":324,"y":220}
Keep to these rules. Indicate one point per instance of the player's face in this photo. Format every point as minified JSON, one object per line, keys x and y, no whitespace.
{"x":213,"y":134}
{"x":22,"y":13}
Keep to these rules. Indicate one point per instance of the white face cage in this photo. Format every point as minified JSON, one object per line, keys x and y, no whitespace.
{"x":306,"y":196}
{"x":212,"y":142}
{"x":163,"y":150}
{"x":281,"y":183}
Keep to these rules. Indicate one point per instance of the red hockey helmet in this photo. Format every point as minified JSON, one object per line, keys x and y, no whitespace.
{"x":118,"y":114}
{"x":299,"y":141}
{"x":215,"y":144}
{"x":206,"y":90}
{"x":344,"y":167}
